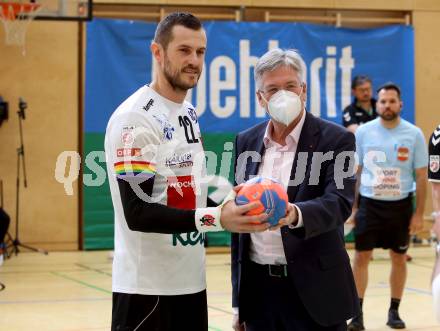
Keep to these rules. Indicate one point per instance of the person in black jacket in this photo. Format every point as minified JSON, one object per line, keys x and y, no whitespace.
{"x":297,"y":276}
{"x":363,"y":107}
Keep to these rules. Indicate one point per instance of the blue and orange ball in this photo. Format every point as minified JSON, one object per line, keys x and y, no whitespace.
{"x":270,"y":194}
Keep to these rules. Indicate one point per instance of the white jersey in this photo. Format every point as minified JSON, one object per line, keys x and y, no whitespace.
{"x":147,"y":136}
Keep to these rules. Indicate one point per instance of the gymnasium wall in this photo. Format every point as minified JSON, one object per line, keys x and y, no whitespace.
{"x":427,"y":75}
{"x":47,"y":77}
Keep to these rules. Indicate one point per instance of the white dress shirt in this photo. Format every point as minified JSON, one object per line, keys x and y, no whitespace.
{"x":267,"y":247}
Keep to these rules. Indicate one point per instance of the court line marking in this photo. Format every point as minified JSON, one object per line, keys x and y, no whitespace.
{"x":28,"y":272}
{"x":109,"y":292}
{"x":93,"y":269}
{"x":221,"y":310}
{"x":422,"y":266}
{"x":80,"y":282}
{"x":410,"y":289}
{"x":210,"y":327}
{"x":51,"y":301}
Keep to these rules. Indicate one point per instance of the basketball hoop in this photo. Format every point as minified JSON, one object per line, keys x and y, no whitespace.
{"x":16,"y":17}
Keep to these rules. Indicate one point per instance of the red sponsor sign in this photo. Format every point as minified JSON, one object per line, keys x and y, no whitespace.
{"x":120,"y":152}
{"x":181,"y":192}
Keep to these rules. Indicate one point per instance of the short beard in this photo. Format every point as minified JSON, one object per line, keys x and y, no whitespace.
{"x":389,"y":118}
{"x":174,"y":79}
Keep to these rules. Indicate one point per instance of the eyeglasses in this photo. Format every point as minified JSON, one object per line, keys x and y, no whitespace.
{"x":271,"y":90}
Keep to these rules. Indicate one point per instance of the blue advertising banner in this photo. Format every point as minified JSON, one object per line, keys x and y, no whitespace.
{"x":118,"y":62}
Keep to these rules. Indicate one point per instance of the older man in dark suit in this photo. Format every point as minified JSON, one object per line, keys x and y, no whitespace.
{"x":297,"y":276}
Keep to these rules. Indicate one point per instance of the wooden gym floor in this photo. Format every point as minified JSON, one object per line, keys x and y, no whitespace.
{"x":71,"y":291}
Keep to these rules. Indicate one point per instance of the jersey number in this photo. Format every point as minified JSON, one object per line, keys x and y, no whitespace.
{"x":189,"y":134}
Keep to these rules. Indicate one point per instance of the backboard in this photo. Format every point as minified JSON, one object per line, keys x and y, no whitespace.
{"x":59,"y":10}
{"x":16,"y":15}
{"x":64,"y":10}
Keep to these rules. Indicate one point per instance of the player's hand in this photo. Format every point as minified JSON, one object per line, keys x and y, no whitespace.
{"x":233,"y":218}
{"x":416,"y":224}
{"x":237,"y":188}
{"x":236,"y":326}
{"x":290,"y":218}
{"x":352,"y":220}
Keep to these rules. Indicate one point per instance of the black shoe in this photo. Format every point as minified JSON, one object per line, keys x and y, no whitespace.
{"x":394,"y":320}
{"x":357,"y":323}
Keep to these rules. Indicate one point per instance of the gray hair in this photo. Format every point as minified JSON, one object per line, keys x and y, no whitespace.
{"x":276,"y":58}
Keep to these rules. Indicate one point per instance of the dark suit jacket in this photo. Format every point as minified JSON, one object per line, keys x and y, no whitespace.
{"x":318,"y":264}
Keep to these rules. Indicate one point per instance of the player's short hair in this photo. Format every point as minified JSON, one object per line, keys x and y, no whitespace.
{"x":359,"y":80}
{"x":164,"y":31}
{"x":276,"y":58}
{"x":390,"y":86}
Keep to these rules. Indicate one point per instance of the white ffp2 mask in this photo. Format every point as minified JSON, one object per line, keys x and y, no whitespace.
{"x":284,"y":106}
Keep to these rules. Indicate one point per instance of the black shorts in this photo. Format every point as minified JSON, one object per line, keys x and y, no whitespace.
{"x":160,"y":313}
{"x":383,"y":224}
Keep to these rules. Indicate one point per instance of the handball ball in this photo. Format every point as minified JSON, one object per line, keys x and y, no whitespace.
{"x":270,"y":194}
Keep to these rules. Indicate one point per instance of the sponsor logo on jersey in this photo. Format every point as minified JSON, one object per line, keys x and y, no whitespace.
{"x":403,"y":153}
{"x":148,"y":105}
{"x":190,"y":238}
{"x":207,"y":220}
{"x":121,"y":152}
{"x":167,"y":128}
{"x":127,"y":136}
{"x":181,"y":192}
{"x":183,"y":184}
{"x":434,"y":163}
{"x":192,"y":113}
{"x":181,"y":161}
{"x":388,"y":182}
{"x":168,"y":132}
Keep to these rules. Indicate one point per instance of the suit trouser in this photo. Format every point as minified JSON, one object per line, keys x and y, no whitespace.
{"x":273,"y":304}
